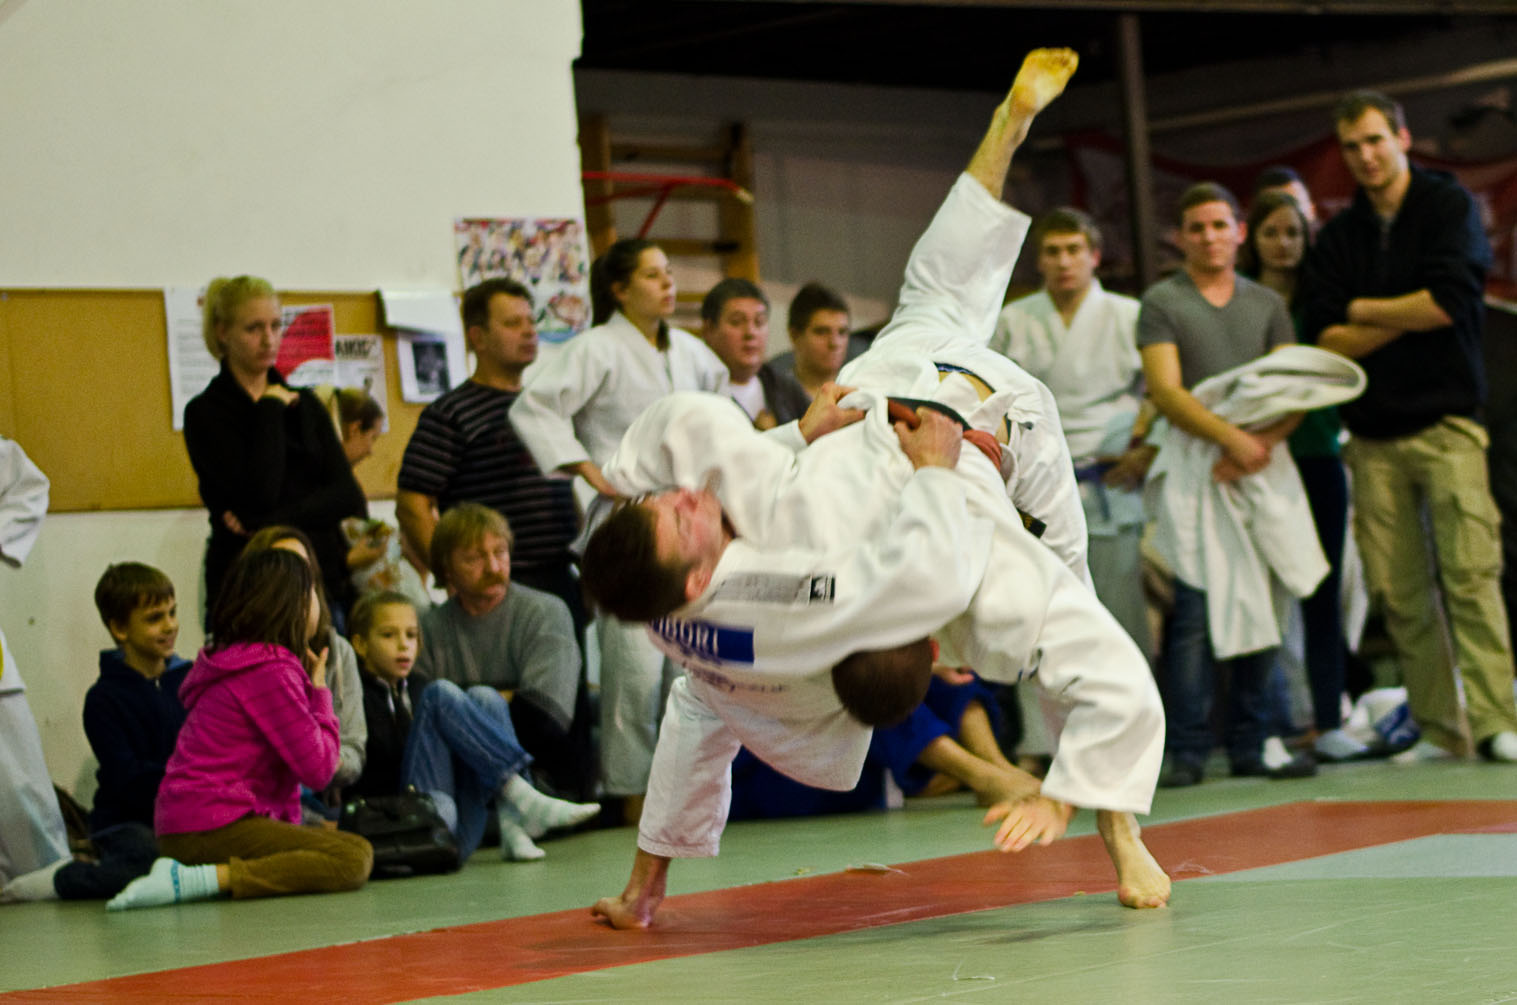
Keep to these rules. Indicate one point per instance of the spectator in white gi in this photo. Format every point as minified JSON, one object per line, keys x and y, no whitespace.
{"x":1081,"y":340}
{"x":571,"y":414}
{"x":32,"y":835}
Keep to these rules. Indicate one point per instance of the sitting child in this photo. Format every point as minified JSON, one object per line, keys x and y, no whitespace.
{"x":260,"y":724}
{"x":132,"y":716}
{"x":458,"y":747}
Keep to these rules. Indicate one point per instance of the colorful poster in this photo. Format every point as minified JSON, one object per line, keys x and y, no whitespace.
{"x":548,"y":256}
{"x":306,"y":356}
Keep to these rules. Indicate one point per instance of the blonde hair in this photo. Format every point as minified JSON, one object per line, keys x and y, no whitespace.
{"x":222,"y":298}
{"x":464,"y":526}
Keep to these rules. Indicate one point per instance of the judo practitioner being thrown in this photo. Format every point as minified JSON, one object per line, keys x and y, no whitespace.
{"x":797,"y":586}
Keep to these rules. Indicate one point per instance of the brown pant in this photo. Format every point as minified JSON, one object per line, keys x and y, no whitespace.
{"x":1444,"y":469}
{"x":268,"y":858}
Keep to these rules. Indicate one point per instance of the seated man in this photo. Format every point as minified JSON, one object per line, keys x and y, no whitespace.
{"x":511,"y":637}
{"x":866,"y":532}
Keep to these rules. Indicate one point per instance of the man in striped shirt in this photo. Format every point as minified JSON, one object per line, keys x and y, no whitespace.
{"x":464,"y":450}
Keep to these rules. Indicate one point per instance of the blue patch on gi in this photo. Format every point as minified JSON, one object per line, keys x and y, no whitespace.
{"x":705,"y":641}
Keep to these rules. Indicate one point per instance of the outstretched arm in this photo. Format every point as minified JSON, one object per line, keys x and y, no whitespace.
{"x":1042,"y":78}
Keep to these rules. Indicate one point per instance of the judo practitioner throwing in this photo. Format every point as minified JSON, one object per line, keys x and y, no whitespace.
{"x":797,"y":574}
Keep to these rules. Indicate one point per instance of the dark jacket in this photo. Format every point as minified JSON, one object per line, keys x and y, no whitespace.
{"x":388,"y":731}
{"x":783,"y":394}
{"x":1435,"y":242}
{"x":271,"y":463}
{"x":131,"y":724}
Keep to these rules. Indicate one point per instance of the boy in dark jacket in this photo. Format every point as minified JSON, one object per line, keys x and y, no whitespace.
{"x":132,"y":713}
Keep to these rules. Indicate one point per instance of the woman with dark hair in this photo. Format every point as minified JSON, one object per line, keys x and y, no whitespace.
{"x":1278,"y":232}
{"x":264,"y":453}
{"x":342,"y":662}
{"x":571,"y":414}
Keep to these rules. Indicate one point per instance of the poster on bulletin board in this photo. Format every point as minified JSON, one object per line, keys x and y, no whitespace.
{"x":546,"y":255}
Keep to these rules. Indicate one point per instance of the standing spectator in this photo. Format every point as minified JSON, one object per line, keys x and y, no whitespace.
{"x":571,"y":415}
{"x":735,"y":324}
{"x":1395,"y":281}
{"x":263,"y":452}
{"x":1284,"y":179}
{"x":1081,"y":341}
{"x":1278,"y":233}
{"x":819,"y":325}
{"x":1201,"y":321}
{"x":465,"y":449}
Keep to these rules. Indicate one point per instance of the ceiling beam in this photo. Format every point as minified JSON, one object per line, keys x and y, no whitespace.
{"x":1380,"y":7}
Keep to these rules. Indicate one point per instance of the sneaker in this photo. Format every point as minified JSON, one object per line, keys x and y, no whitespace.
{"x":1500,"y":747}
{"x":1181,"y":772}
{"x":1338,"y":745}
{"x":1422,"y":752}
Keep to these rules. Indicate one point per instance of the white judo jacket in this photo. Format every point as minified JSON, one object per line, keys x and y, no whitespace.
{"x":1029,"y":614}
{"x":1250,"y":543}
{"x":576,"y":404}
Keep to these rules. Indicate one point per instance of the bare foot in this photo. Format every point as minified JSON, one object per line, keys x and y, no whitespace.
{"x":1042,"y":78}
{"x":1140,"y":881}
{"x":622,"y":915}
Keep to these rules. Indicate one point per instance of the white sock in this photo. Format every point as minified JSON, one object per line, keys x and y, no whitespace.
{"x":515,"y":844}
{"x":1275,"y":754}
{"x":1338,"y":745}
{"x":538,"y":814}
{"x":34,"y":885}
{"x":168,"y":882}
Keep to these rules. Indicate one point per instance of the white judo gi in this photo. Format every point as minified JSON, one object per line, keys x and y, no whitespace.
{"x":574,"y":406}
{"x":1249,"y":543}
{"x":1095,"y":373}
{"x":32,"y":834}
{"x":1030,"y":614}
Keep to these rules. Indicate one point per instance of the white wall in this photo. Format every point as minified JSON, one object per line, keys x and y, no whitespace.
{"x":324,"y":144}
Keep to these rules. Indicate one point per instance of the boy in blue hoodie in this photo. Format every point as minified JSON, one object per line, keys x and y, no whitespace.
{"x":132,"y":713}
{"x":132,"y":716}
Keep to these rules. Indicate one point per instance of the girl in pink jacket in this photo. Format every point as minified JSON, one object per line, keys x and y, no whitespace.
{"x":259,"y":725}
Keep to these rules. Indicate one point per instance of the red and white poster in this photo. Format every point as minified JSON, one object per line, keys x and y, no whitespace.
{"x":306,"y":355}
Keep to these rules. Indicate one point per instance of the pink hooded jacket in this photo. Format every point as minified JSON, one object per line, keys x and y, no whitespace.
{"x":257,"y":729}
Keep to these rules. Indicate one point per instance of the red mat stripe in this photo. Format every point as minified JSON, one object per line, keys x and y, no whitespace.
{"x":520,"y":950}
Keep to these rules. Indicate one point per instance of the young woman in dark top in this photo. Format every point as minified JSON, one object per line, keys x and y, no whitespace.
{"x":265,"y":453}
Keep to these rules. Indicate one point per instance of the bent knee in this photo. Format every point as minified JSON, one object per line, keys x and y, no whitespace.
{"x":351,"y":867}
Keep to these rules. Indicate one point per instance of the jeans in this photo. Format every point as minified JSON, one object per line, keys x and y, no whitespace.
{"x":461,"y":749}
{"x":1189,"y":682}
